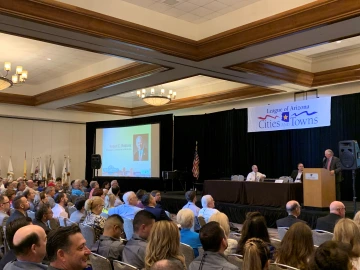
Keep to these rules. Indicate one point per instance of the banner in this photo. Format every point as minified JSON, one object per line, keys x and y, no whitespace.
{"x":292,"y":115}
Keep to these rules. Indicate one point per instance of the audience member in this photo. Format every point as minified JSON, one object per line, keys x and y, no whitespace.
{"x":127,"y":210}
{"x":29,"y":245}
{"x":4,"y":209}
{"x":109,"y":202}
{"x":29,"y":194}
{"x":255,"y":175}
{"x":11,"y":195}
{"x":84,"y":185}
{"x":30,"y":183}
{"x":223,"y":220}
{"x":105,"y":185}
{"x":190,"y":196}
{"x":20,"y":187}
{"x":59,"y":208}
{"x":139,"y":195}
{"x":114,"y":183}
{"x":331,"y":255}
{"x":160,"y":247}
{"x":66,"y":249}
{"x":135,"y":249}
{"x":297,"y":247}
{"x":254,"y":227}
{"x":208,"y":209}
{"x":78,"y":216}
{"x":346,"y":231}
{"x":11,"y":229}
{"x":116,"y":192}
{"x":42,"y":215}
{"x":150,"y":205}
{"x":293,"y":209}
{"x":109,"y":245}
{"x":327,"y":223}
{"x":94,"y":206}
{"x":41,"y":186}
{"x":157,"y":195}
{"x":98,"y":192}
{"x":43,"y":199}
{"x":256,"y":255}
{"x":93,"y":185}
{"x":21,"y":205}
{"x":185,"y":217}
{"x":166,"y":264}
{"x":50,"y":192}
{"x":213,"y":240}
{"x":76,"y":190}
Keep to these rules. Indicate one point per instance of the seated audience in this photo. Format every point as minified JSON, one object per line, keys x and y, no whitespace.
{"x":190,"y":196}
{"x":127,"y":210}
{"x":109,"y":245}
{"x":297,"y":247}
{"x":256,"y":255}
{"x":293,"y":209}
{"x":255,"y":175}
{"x":11,"y":195}
{"x":21,"y":186}
{"x":165,"y":265}
{"x":139,"y":195}
{"x":94,"y":207}
{"x":61,"y":201}
{"x":21,"y":205}
{"x":213,"y":240}
{"x":135,"y":249}
{"x":254,"y":227}
{"x":50,"y":192}
{"x":29,"y":194}
{"x":41,"y":186}
{"x":4,"y":209}
{"x":105,"y":185}
{"x":66,"y":249}
{"x":93,"y":185}
{"x":346,"y":231}
{"x":327,"y":223}
{"x":331,"y":255}
{"x":185,"y":217}
{"x":223,"y":220}
{"x":43,"y":199}
{"x":79,"y":215}
{"x":84,"y":185}
{"x":160,"y":247}
{"x":76,"y":190}
{"x":297,"y":175}
{"x":30,"y":183}
{"x":157,"y":195}
{"x":98,"y":192}
{"x":208,"y":209}
{"x":29,"y":245}
{"x":114,"y":183}
{"x":11,"y":229}
{"x":116,"y":192}
{"x":42,"y":215}
{"x":150,"y":205}
{"x":109,"y":202}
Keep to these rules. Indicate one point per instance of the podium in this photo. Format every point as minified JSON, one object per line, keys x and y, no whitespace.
{"x":319,"y":187}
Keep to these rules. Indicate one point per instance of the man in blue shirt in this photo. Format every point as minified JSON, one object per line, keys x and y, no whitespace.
{"x":127,"y":210}
{"x":191,"y":198}
{"x":208,"y":205}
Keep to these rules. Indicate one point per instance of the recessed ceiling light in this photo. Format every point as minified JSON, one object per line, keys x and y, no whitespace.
{"x":339,"y":41}
{"x":48,"y":59}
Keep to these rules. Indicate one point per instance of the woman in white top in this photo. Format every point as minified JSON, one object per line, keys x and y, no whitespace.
{"x":255,"y":175}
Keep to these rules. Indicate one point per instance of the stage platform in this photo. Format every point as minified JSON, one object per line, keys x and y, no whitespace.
{"x":173,"y":201}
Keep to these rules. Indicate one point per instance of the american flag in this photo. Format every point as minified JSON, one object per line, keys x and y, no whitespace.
{"x":196,"y":162}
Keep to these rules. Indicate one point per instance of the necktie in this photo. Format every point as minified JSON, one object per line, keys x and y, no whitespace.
{"x":328,"y":165}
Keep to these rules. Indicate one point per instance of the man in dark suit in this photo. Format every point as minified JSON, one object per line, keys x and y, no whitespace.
{"x":327,"y":223}
{"x":21,"y":205}
{"x":149,"y":202}
{"x":142,"y":152}
{"x":293,"y":208}
{"x":298,"y":174}
{"x":333,"y":164}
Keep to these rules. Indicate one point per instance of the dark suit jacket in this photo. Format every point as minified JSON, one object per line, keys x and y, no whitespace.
{"x":145,"y":155}
{"x":42,"y":225}
{"x":327,"y":223}
{"x":17,"y":214}
{"x":288,"y":221}
{"x":158,"y":213}
{"x":334,"y":165}
{"x":295,"y":173}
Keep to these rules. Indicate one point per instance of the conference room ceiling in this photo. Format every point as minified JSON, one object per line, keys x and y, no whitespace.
{"x":101,"y":61}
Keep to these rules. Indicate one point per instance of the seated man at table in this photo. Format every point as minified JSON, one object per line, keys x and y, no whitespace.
{"x":293,"y":208}
{"x":208,"y":205}
{"x":255,"y":175}
{"x":297,"y":175}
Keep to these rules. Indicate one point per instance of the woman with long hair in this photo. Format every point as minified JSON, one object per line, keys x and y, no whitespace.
{"x":254,"y":227}
{"x":297,"y":246}
{"x":109,"y":202}
{"x":94,"y":206}
{"x":346,"y":231}
{"x":164,"y":243}
{"x":256,"y":255}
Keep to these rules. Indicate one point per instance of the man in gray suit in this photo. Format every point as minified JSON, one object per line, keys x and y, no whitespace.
{"x":4,"y":209}
{"x":333,"y":164}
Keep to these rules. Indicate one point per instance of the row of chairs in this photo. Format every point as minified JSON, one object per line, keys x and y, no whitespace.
{"x":319,"y":236}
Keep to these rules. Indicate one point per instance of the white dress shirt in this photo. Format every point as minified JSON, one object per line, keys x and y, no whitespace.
{"x":59,"y":211}
{"x":255,"y":178}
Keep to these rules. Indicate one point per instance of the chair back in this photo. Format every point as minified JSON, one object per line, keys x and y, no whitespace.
{"x":62,"y":221}
{"x":188,"y":253}
{"x":123,"y":266}
{"x":128,"y":228}
{"x":68,"y":222}
{"x":6,"y":244}
{"x":168,"y":214}
{"x":88,"y":233}
{"x":320,"y":236}
{"x":99,"y":262}
{"x":201,"y":221}
{"x":31,"y":214}
{"x":241,"y":178}
{"x":236,"y":259}
{"x":275,"y":242}
{"x":279,"y":266}
{"x":201,"y":251}
{"x":54,"y":223}
{"x":71,"y":210}
{"x":282,"y":231}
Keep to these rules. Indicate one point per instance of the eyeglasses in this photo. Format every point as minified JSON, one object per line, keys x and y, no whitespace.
{"x":5,"y":202}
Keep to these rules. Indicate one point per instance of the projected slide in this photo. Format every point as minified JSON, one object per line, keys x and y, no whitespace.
{"x":129,"y":151}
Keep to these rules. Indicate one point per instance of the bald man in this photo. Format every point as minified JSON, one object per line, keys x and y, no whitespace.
{"x":327,"y":223}
{"x":167,"y":264}
{"x":293,"y":209}
{"x":29,"y":247}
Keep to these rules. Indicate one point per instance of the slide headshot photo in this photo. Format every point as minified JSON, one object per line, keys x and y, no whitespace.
{"x":141,"y":147}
